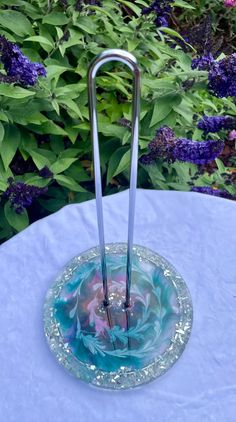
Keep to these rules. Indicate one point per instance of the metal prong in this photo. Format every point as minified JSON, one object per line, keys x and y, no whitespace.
{"x":131,"y":62}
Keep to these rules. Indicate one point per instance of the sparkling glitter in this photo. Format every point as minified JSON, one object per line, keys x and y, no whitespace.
{"x":125,"y":377}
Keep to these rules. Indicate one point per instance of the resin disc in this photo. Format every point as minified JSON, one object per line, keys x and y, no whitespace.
{"x":112,"y":347}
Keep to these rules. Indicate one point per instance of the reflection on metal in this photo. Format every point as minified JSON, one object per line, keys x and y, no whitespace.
{"x":131,"y":62}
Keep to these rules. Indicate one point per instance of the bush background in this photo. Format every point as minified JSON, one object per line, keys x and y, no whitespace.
{"x":48,"y":124}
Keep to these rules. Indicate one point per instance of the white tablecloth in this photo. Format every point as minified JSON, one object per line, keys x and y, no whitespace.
{"x":197,"y":234}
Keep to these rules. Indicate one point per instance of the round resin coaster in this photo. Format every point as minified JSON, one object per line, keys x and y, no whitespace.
{"x":115,"y":347}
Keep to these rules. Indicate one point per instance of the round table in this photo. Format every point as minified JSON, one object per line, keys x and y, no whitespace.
{"x":197,"y":234}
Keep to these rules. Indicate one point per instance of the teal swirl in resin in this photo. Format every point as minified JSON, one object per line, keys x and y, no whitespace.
{"x":111,"y":340}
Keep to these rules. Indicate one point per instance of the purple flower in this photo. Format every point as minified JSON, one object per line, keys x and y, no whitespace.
{"x":197,"y":152}
{"x":146,"y":10}
{"x":232,"y":135}
{"x":181,"y":43}
{"x":214,"y":192}
{"x":165,"y":145}
{"x":40,"y":69}
{"x":214,"y":124}
{"x":230,"y":3}
{"x":22,"y":195}
{"x":45,"y":172}
{"x":148,"y":159}
{"x":162,"y":10}
{"x":203,"y":62}
{"x":161,"y":21}
{"x":200,"y":37}
{"x":19,"y":66}
{"x":222,"y":77}
{"x":161,"y":146}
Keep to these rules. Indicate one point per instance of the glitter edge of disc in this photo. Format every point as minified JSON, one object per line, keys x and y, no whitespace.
{"x":124,"y":378}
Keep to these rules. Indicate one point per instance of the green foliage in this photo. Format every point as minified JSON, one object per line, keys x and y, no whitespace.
{"x":48,"y":124}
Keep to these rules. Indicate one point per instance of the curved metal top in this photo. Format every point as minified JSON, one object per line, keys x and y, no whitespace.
{"x":113,"y":55}
{"x":128,"y":59}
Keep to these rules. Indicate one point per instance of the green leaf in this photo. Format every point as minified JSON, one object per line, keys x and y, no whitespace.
{"x":220,"y":165}
{"x":59,"y":32}
{"x":197,"y":134}
{"x":131,"y":6}
{"x":163,"y":107}
{"x":48,"y":127}
{"x":9,"y":36}
{"x":17,"y":221}
{"x":179,"y":186}
{"x":171,"y":32}
{"x":210,"y":104}
{"x":54,"y":71}
{"x":3,"y":186}
{"x":38,"y":181}
{"x":142,"y":3}
{"x":62,"y":164}
{"x":155,"y":172}
{"x":56,"y":107}
{"x":74,"y":39}
{"x":2,"y":131}
{"x":78,"y":173}
{"x":40,"y":40}
{"x":157,"y":178}
{"x":56,"y":18}
{"x":29,"y":115}
{"x":32,"y":54}
{"x":87,"y":25}
{"x":105,"y":12}
{"x":41,"y":157}
{"x":72,"y":106}
{"x":15,"y":91}
{"x":69,"y":153}
{"x":16,"y":22}
{"x":70,"y":90}
{"x":184,"y":170}
{"x":51,"y":127}
{"x":4,"y":173}
{"x":69,"y":183}
{"x":116,"y":163}
{"x":162,"y":84}
{"x":184,"y":110}
{"x":53,"y":205}
{"x":132,"y":44}
{"x":108,"y":129}
{"x":9,"y":144}
{"x":3,"y":116}
{"x":123,"y":164}
{"x":184,"y":4}
{"x":72,"y":133}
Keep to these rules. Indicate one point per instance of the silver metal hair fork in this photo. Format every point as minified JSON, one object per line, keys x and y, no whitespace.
{"x":131,"y":62}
